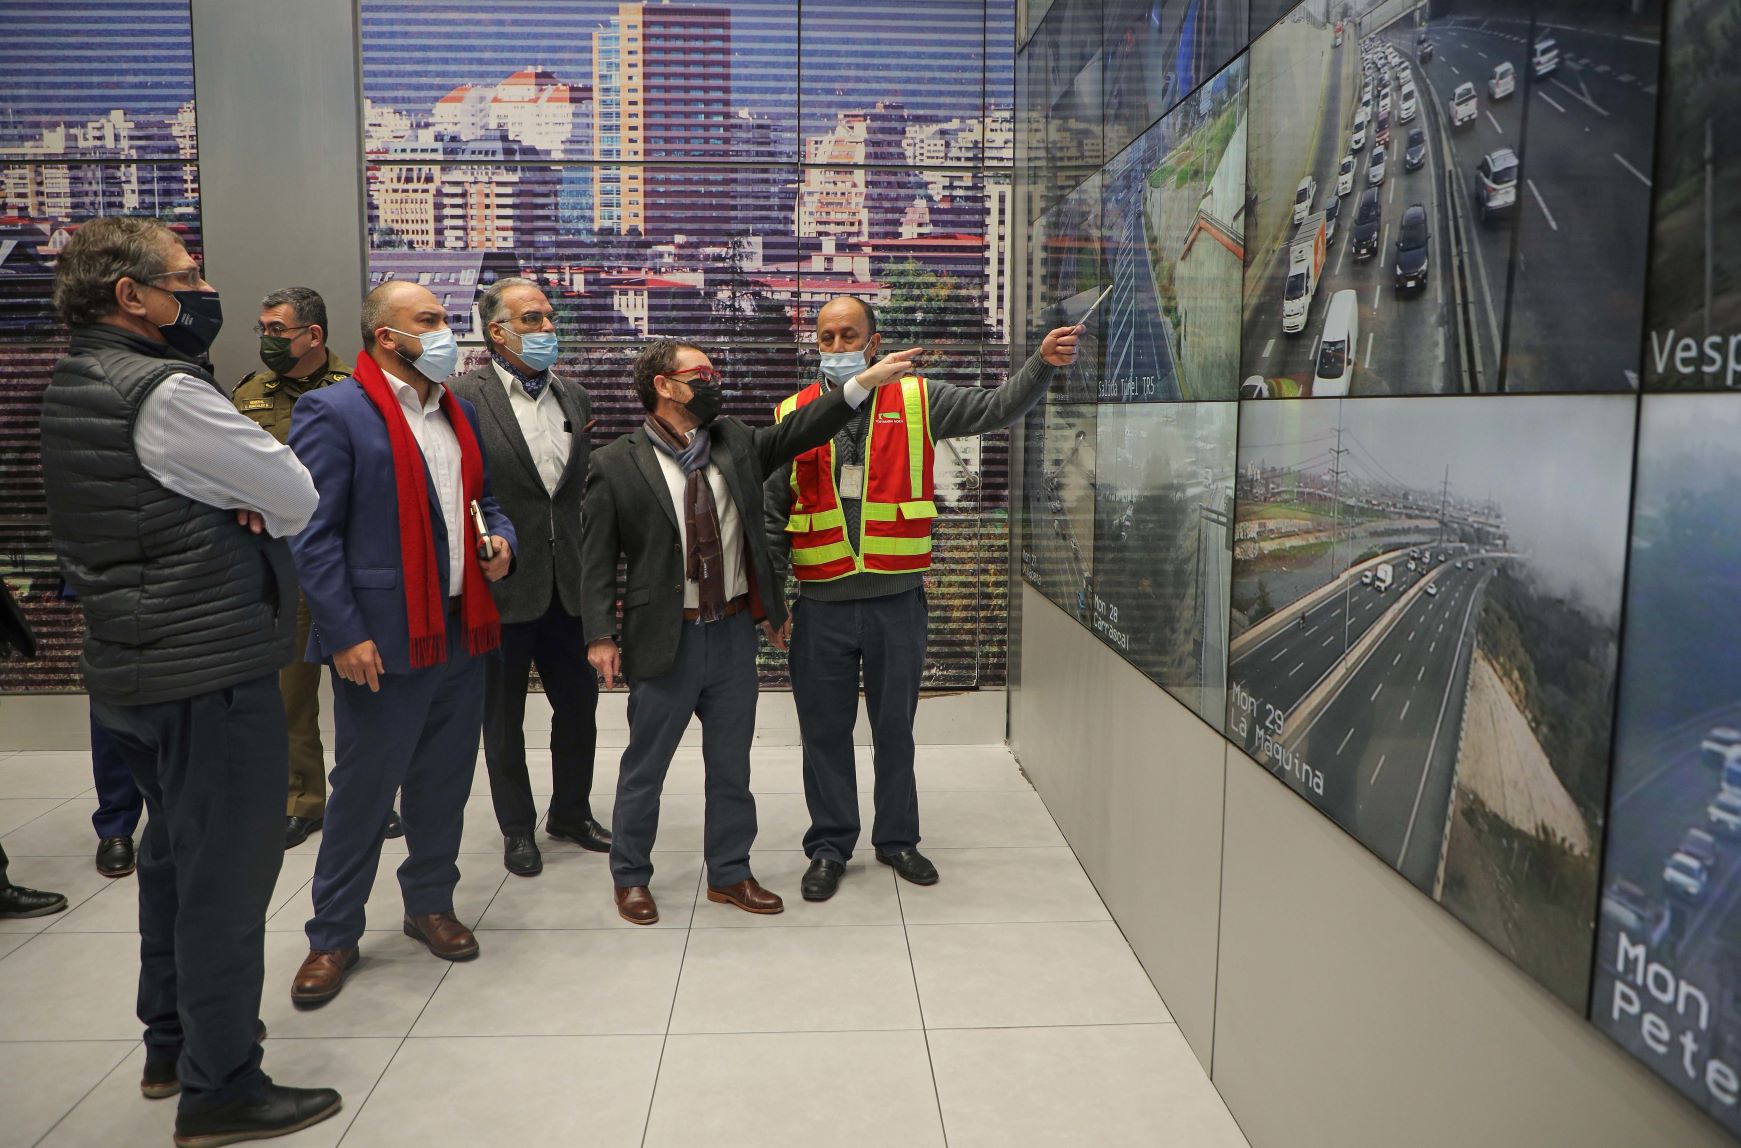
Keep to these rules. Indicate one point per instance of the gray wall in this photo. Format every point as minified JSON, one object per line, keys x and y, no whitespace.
{"x":1335,"y":1005}
{"x":281,"y":192}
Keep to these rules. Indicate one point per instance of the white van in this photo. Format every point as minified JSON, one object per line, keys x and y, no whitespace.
{"x":1503,"y":83}
{"x":1545,"y":59}
{"x":1336,"y":347}
{"x":1463,"y":104}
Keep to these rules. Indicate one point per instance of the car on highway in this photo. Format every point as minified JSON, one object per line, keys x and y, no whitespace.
{"x":1258,"y":387}
{"x":1332,"y":212}
{"x":1358,"y":139}
{"x":1381,"y":131}
{"x":1366,"y":578}
{"x":1410,"y":104}
{"x":1701,"y":845}
{"x":1426,"y":51}
{"x":1545,"y":59}
{"x":1627,"y":907}
{"x":1367,"y":217}
{"x":1335,"y":369}
{"x":1345,"y":175}
{"x":1384,"y":103}
{"x":1463,"y":104}
{"x":1721,"y":744}
{"x":1432,"y":589}
{"x":1685,"y":877}
{"x":1411,"y":250}
{"x":1375,"y":167}
{"x":1303,"y":196}
{"x":1724,"y":813}
{"x":1502,"y":83}
{"x":1412,"y":565}
{"x":1414,"y":155}
{"x":1404,"y":77}
{"x":1496,"y":183}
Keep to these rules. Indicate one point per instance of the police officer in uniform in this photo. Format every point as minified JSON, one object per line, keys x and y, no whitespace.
{"x":293,"y":346}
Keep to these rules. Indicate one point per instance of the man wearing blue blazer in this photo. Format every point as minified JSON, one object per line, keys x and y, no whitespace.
{"x":396,"y":575}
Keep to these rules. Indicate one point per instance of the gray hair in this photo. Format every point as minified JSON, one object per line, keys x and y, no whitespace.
{"x":304,"y":302}
{"x":490,"y":305}
{"x":101,"y":254}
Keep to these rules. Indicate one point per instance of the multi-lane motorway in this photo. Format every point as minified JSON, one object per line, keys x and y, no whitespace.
{"x":1385,"y":744}
{"x":1579,"y":225}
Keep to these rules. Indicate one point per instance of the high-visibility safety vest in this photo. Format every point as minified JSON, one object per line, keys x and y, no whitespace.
{"x":896,"y":511}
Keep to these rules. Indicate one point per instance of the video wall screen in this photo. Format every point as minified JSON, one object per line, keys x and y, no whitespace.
{"x":1475,"y":564}
{"x":101,"y":123}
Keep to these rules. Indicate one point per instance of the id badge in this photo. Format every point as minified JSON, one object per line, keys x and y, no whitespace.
{"x":852,"y":481}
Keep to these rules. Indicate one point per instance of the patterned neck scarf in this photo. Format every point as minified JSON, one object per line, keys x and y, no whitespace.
{"x":704,"y":560}
{"x":534,"y":384}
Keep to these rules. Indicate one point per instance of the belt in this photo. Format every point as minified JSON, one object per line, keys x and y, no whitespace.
{"x":736,"y":606}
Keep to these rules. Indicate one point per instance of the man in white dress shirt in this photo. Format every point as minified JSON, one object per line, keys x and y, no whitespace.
{"x":169,"y":511}
{"x":534,"y":428}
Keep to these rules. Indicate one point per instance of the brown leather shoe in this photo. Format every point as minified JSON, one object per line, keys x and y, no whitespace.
{"x":749,"y":896}
{"x":321,"y":976}
{"x":635,"y":905}
{"x":443,"y":935}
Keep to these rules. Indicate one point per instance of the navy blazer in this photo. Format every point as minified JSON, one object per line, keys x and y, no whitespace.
{"x":347,"y":558}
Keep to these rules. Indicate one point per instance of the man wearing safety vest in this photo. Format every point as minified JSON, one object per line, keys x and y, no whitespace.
{"x":855,"y":517}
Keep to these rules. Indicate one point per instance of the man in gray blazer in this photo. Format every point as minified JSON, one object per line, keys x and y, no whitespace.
{"x":681,"y":499}
{"x":534,"y":427}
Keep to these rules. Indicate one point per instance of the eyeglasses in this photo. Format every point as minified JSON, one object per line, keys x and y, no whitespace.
{"x":189,"y":279}
{"x":707,"y":376}
{"x":278,"y":330}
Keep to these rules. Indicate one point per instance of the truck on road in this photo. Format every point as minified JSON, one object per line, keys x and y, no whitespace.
{"x":1384,"y":576}
{"x":1305,"y":264}
{"x":1464,"y":104}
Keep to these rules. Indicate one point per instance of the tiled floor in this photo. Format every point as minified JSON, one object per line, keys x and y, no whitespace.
{"x":1001,"y":1007}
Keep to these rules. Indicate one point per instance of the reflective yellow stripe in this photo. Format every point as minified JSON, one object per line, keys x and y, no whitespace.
{"x":797,"y":523}
{"x":820,"y":555}
{"x":831,"y":519}
{"x":879,"y":511}
{"x":913,"y":400}
{"x":786,"y":407}
{"x":923,"y":509}
{"x":901,"y":546}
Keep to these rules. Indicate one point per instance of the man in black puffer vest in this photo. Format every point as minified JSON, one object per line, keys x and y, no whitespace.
{"x":169,"y":511}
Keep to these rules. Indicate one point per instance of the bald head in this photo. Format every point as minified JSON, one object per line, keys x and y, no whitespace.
{"x":847,"y":323}
{"x":382,"y":307}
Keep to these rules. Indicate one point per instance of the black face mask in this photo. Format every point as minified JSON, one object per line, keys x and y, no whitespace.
{"x":196,"y":326}
{"x":704,"y":401}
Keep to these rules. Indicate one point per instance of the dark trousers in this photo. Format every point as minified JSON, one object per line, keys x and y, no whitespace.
{"x":556,"y":644}
{"x":714,"y":679}
{"x":5,"y":881}
{"x":212,"y":770}
{"x":119,"y":802}
{"x":300,"y":682}
{"x":419,"y":735}
{"x":830,"y":642}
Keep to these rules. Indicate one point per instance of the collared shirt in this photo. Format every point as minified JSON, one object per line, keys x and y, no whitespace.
{"x":731,"y":533}
{"x":440,"y":445}
{"x":543,"y":425}
{"x":190,"y":438}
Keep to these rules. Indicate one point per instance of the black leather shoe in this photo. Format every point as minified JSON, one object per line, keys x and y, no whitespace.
{"x":17,"y":901}
{"x":297,"y":829}
{"x":588,"y":834}
{"x":115,"y":856}
{"x":520,"y":855}
{"x":821,"y":879}
{"x":279,"y":1112}
{"x":395,"y":827}
{"x":160,"y":1082}
{"x":911,"y":865}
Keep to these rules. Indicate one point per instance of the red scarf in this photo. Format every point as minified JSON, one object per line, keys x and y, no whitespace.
{"x":425,"y":609}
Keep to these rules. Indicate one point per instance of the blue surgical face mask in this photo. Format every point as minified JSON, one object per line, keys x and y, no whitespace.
{"x":439,"y":354}
{"x":537,"y":350}
{"x":840,"y":366}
